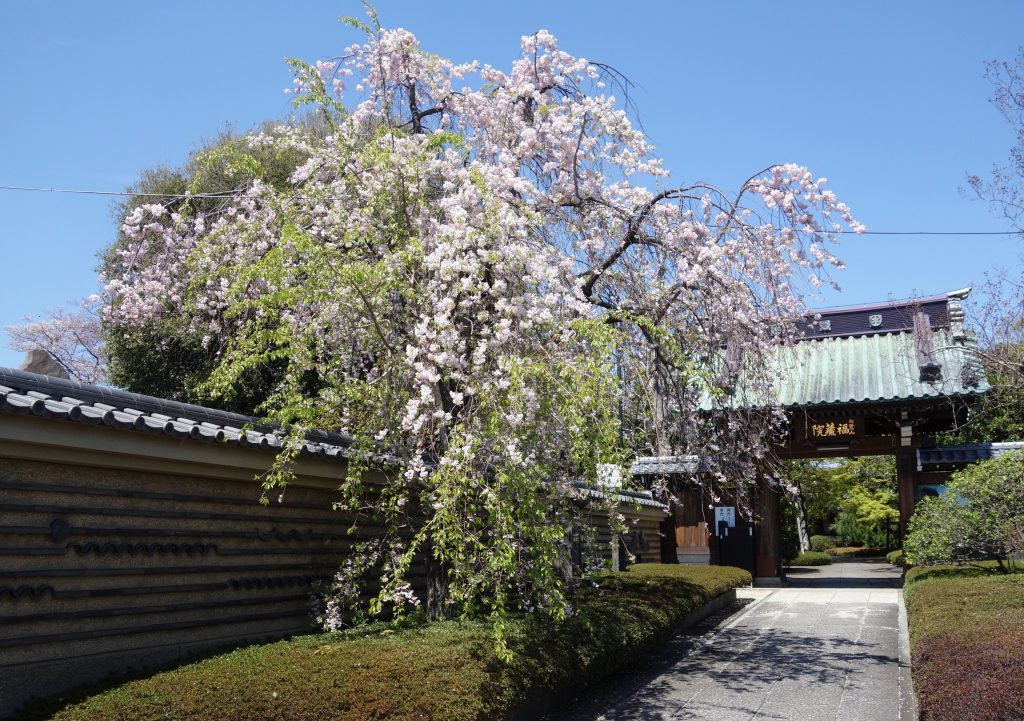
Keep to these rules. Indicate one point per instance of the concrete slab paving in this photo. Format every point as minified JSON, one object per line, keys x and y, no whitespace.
{"x":826,"y":648}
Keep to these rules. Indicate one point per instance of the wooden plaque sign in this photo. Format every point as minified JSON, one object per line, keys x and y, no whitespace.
{"x":834,"y":429}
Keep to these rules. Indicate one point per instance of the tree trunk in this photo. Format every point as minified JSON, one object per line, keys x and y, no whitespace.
{"x":438,"y":606}
{"x":801,"y":526}
{"x":801,"y":519}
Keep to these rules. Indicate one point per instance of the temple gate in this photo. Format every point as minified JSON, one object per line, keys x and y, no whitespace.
{"x":879,"y":379}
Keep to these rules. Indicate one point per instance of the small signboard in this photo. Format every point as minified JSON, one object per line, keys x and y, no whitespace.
{"x":726,"y":514}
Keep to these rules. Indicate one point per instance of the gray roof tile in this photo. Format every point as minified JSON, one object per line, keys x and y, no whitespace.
{"x":668,"y":465}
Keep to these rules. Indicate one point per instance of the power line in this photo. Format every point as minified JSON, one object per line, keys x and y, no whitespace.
{"x":929,"y":232}
{"x":222,"y":194}
{"x":231,"y":193}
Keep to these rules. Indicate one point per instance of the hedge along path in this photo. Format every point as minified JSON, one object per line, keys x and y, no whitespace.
{"x":445,"y":670}
{"x":967,"y":644}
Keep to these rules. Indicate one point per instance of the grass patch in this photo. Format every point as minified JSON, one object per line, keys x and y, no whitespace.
{"x":967,"y":643}
{"x":811,"y":558}
{"x":445,"y":670}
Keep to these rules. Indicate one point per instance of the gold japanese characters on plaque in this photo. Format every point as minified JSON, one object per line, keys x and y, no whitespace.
{"x":834,"y":429}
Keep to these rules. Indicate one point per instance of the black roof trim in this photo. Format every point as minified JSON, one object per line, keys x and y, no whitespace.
{"x":940,"y":458}
{"x":901,"y":303}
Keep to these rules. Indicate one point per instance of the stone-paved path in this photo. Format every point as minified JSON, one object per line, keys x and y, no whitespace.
{"x":826,"y":647}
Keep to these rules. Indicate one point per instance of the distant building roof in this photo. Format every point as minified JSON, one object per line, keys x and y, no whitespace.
{"x":950,"y":458}
{"x":665,"y":465}
{"x":886,"y":317}
{"x":640,"y":498}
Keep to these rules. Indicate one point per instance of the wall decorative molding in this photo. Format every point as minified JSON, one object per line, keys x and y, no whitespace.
{"x":149,"y":549}
{"x":17,"y":593}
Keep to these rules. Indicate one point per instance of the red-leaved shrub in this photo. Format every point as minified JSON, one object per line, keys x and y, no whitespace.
{"x":970,"y":678}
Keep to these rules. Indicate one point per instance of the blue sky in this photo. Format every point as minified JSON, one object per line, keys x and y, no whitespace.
{"x":886,"y":99}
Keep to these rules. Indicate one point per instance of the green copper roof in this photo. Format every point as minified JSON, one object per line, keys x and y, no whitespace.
{"x":874,"y":368}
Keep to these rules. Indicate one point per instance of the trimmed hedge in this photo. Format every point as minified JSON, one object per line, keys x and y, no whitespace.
{"x":975,"y":570}
{"x":822,"y":543}
{"x":856,"y":552}
{"x":967,"y":642}
{"x":811,"y":558}
{"x":446,"y":670}
{"x":895,"y":558}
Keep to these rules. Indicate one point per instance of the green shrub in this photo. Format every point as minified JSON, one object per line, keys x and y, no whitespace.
{"x":811,"y":558}
{"x":895,"y":557}
{"x":823,"y":543}
{"x":851,"y":530}
{"x":446,"y":670}
{"x":967,"y":644}
{"x":979,"y":517}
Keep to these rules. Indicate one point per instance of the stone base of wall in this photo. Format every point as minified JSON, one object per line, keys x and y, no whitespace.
{"x":695,"y":557}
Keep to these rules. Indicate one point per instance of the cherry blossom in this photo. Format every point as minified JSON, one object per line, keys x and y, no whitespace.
{"x":488,"y":277}
{"x":72,"y":336}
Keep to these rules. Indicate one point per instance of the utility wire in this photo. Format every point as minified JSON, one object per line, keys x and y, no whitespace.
{"x":222,"y":194}
{"x":928,"y":232}
{"x":232,"y":193}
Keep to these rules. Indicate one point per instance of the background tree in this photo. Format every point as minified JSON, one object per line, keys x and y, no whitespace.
{"x":869,"y":502}
{"x":808,"y":501}
{"x":1004,"y":188}
{"x":814,"y":493}
{"x":156,"y":358}
{"x":72,"y":336}
{"x":999,"y":320}
{"x":853,"y":499}
{"x":999,"y":324}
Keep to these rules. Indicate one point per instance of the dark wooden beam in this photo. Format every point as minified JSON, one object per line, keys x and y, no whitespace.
{"x":906,"y":471}
{"x":768,"y":561}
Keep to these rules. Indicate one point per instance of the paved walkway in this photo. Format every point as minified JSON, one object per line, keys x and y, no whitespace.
{"x":824,"y":648}
{"x":846,"y":574}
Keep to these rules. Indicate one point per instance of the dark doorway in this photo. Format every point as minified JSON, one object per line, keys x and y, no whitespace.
{"x":736,"y":546}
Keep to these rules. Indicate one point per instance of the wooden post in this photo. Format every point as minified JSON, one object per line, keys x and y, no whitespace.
{"x":906,"y":470}
{"x":767,"y":561}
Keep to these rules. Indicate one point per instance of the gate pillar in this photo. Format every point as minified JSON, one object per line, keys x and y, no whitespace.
{"x":906,"y":471}
{"x":767,"y":534}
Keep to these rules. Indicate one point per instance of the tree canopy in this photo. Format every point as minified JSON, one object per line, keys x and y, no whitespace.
{"x":854,"y":499}
{"x":1004,"y":187}
{"x":155,"y":358}
{"x":999,"y":320}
